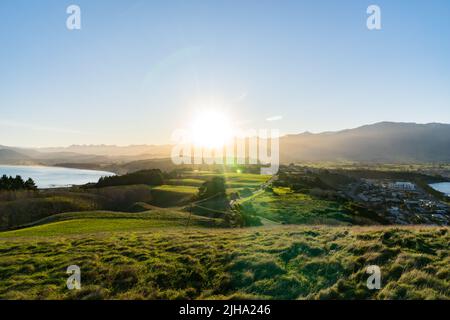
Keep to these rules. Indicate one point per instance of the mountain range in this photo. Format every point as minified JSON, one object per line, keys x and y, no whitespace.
{"x":388,"y":142}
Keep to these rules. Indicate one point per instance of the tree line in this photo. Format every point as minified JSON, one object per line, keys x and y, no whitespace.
{"x":16,"y":183}
{"x":153,"y":177}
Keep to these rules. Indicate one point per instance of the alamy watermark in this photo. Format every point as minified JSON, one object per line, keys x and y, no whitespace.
{"x":74,"y":280}
{"x":374,"y":280}
{"x":73,"y":21}
{"x":253,"y":147}
{"x":374,"y":20}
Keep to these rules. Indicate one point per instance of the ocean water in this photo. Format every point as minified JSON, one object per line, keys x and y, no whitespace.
{"x":53,"y":177}
{"x":443,"y":187}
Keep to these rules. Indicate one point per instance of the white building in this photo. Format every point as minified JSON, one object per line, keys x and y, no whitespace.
{"x":402,"y":186}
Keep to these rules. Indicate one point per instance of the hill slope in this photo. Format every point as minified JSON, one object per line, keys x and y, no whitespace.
{"x":8,"y":156}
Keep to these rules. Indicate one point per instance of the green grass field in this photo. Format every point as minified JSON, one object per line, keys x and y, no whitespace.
{"x":84,"y":226}
{"x":234,"y":181}
{"x":186,"y":182}
{"x":179,"y":192}
{"x":177,"y":189}
{"x":129,"y":259}
{"x":172,"y":195}
{"x":297,"y":208}
{"x":230,"y":177}
{"x":92,"y":222}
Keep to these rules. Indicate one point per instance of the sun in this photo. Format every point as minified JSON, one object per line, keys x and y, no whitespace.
{"x":211,"y":129}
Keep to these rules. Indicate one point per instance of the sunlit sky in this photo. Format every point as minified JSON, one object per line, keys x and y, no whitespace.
{"x":138,"y":70}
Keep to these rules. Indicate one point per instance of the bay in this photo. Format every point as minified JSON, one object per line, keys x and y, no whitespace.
{"x":54,"y":177}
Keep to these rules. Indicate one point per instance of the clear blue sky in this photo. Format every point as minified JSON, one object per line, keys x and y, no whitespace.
{"x":136,"y":69}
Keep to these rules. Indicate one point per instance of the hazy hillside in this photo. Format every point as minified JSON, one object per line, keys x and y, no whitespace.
{"x":79,"y":155}
{"x":150,"y":151}
{"x":8,"y":156}
{"x":380,"y":142}
{"x":18,"y":156}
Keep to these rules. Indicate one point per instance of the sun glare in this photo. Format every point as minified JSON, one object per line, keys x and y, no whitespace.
{"x":211,"y":129}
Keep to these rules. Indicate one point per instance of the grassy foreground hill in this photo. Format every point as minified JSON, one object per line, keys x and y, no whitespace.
{"x":141,"y":242}
{"x":144,"y":257}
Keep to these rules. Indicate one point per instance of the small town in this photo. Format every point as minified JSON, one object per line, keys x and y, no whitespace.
{"x":404,"y":201}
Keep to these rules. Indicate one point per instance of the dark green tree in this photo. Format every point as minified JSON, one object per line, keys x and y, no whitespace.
{"x":215,"y":186}
{"x":17,"y":183}
{"x":30,"y":185}
{"x":152,"y":177}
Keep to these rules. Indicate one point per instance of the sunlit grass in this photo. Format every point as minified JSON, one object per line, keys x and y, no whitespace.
{"x":297,"y":208}
{"x":186,"y":182}
{"x":279,"y":262}
{"x":177,"y":189}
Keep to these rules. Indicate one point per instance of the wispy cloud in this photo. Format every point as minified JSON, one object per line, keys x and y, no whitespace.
{"x":274,"y":118}
{"x":23,"y":125}
{"x":241,"y":97}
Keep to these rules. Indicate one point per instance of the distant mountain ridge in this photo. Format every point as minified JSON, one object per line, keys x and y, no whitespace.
{"x":81,"y":154}
{"x":389,"y":142}
{"x":379,"y":142}
{"x":113,"y":150}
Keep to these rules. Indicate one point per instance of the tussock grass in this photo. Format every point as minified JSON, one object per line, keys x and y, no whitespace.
{"x":283,"y":262}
